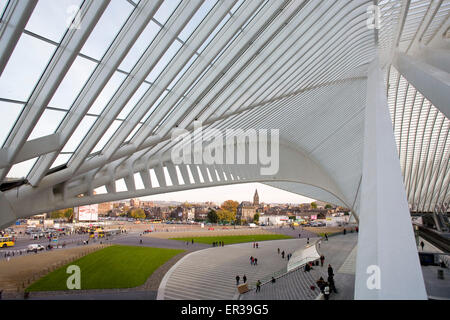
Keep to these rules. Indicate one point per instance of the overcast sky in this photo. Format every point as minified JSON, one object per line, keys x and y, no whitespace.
{"x":239,"y":192}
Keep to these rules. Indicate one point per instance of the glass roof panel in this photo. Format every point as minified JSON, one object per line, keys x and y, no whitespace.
{"x":134,"y":100}
{"x":182,"y":72}
{"x":213,"y":34}
{"x":195,"y":21}
{"x":21,"y":169}
{"x":164,"y":61}
{"x":139,"y":46}
{"x":132,"y":133}
{"x":107,"y":93}
{"x":107,"y":28}
{"x":10,"y":112}
{"x":47,"y":124}
{"x":51,"y":18}
{"x":79,"y":133}
{"x":61,"y":159}
{"x":108,"y":134}
{"x":236,"y":6}
{"x":25,"y":67}
{"x":3,"y":4}
{"x":165,"y":10}
{"x":73,"y":82}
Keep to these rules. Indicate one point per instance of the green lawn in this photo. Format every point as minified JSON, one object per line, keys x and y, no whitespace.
{"x":109,"y":268}
{"x":236,"y":239}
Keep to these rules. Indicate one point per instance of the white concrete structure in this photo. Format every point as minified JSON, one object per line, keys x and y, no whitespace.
{"x":90,"y":105}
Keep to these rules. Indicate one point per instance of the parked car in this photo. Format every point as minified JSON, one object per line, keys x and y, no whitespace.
{"x":35,"y":248}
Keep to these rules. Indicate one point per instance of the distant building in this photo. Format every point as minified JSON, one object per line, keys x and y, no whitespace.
{"x":134,"y":203}
{"x":104,"y":208}
{"x":256,"y":198}
{"x":245,"y":212}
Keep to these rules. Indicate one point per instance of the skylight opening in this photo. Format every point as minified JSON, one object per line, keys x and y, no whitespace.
{"x":166,"y":10}
{"x":164,"y":61}
{"x":139,"y":47}
{"x":51,"y":19}
{"x":79,"y":133}
{"x":61,"y":159}
{"x":10,"y":113}
{"x":196,"y":19}
{"x":25,"y":67}
{"x":131,"y":104}
{"x":21,"y":169}
{"x":107,"y":136}
{"x":47,"y":124}
{"x":107,"y":28}
{"x":107,"y":93}
{"x":182,"y":72}
{"x":73,"y":82}
{"x":213,"y":34}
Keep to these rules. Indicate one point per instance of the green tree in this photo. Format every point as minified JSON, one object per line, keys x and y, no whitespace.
{"x":328,"y":206}
{"x":256,"y":218}
{"x":212,"y":216}
{"x":313,"y":205}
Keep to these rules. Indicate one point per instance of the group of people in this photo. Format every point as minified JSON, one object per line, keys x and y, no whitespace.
{"x":255,"y":245}
{"x":326,"y":287}
{"x":244,"y":279}
{"x":283,"y":254}
{"x":253,"y":261}
{"x":218,"y":244}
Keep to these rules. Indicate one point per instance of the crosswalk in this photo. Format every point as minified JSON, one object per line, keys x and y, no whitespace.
{"x":210,"y":274}
{"x":349,"y":265}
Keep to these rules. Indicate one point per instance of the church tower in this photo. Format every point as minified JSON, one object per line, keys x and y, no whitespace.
{"x":256,"y":198}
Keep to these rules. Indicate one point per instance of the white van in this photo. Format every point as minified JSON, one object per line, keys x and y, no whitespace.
{"x":35,"y":248}
{"x":252,"y":225}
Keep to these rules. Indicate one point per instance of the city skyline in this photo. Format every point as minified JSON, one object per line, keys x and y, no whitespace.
{"x":237,"y":192}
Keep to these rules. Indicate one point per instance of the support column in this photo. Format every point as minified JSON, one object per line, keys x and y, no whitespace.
{"x":387,"y":265}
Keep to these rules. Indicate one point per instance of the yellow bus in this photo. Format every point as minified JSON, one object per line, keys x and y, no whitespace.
{"x":6,"y":241}
{"x":98,"y":233}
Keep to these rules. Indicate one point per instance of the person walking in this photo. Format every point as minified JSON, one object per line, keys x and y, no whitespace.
{"x":251,"y":260}
{"x":258,"y":286}
{"x":237,"y":280}
{"x":192,"y":241}
{"x":256,"y":262}
{"x":345,"y":231}
{"x":322,"y":259}
{"x":299,"y":235}
{"x":244,"y":278}
{"x":330,"y":271}
{"x":254,"y":245}
{"x":331,"y":283}
{"x":282,"y":255}
{"x":307,"y":240}
{"x":326,"y":237}
{"x":257,"y":245}
{"x":422,"y":244}
{"x":278,"y":250}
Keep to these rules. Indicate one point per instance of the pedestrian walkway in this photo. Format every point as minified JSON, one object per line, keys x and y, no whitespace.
{"x":210,"y":274}
{"x":339,"y":251}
